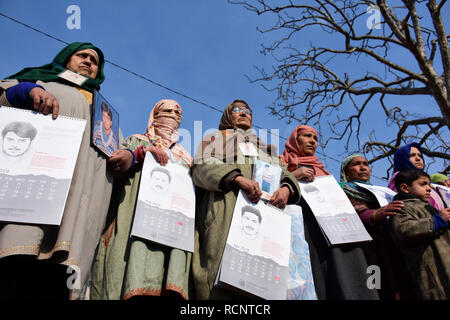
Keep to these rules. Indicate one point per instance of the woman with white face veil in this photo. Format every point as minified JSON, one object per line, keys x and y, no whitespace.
{"x":133,"y":267}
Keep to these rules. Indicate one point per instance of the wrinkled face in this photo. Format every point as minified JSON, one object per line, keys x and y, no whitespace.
{"x":421,"y":188}
{"x":307,"y":142}
{"x":160,"y":181}
{"x":358,"y":169}
{"x":15,"y":146}
{"x":84,"y":62}
{"x":239,"y":117}
{"x":250,"y":224}
{"x":107,"y":123}
{"x":416,"y":158}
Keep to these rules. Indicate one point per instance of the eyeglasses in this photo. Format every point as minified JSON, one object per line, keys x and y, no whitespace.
{"x":240,"y":109}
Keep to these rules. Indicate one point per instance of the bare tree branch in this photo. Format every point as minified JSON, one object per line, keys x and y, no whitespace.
{"x":311,"y":87}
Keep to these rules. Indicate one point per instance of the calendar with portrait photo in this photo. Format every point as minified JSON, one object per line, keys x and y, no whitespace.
{"x":165,"y":209}
{"x":384,"y":195}
{"x":105,"y":125}
{"x":333,"y":211}
{"x":256,"y":256}
{"x":37,"y":160}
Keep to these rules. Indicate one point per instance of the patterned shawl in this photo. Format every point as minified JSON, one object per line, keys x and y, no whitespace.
{"x":350,"y":187}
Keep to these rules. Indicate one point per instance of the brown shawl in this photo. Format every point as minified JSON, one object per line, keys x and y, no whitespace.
{"x":224,"y":144}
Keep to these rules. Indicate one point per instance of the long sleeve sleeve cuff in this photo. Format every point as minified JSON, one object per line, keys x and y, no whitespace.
{"x":439,"y":223}
{"x":18,"y":96}
{"x":228,"y":180}
{"x":294,"y":196}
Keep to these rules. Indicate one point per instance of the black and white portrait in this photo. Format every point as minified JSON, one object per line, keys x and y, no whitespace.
{"x":16,"y":140}
{"x":160,"y":179}
{"x":250,"y":222}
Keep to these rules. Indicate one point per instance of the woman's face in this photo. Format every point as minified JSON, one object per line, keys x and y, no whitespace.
{"x":84,"y":62}
{"x":307,"y":141}
{"x":416,"y":158}
{"x":239,"y":118}
{"x":358,"y":169}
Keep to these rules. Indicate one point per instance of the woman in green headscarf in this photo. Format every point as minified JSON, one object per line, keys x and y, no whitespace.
{"x":381,"y":251}
{"x":82,"y":58}
{"x":49,"y":72}
{"x":34,"y":258}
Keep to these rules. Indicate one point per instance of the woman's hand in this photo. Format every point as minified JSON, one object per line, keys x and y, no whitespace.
{"x":304,"y":174}
{"x":159,"y":154}
{"x":250,"y":187}
{"x":44,"y":102}
{"x":120,"y":161}
{"x":390,"y":209}
{"x":280,"y":197}
{"x":445,"y":214}
{"x":445,"y":183}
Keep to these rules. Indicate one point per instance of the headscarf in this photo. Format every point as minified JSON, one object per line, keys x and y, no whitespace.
{"x":350,"y":187}
{"x":438,"y":177}
{"x":49,"y":72}
{"x":401,"y":157}
{"x":402,"y":163}
{"x":224,"y":144}
{"x":293,"y":156}
{"x":162,"y":130}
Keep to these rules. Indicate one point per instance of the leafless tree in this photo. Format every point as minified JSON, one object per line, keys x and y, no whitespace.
{"x":404,"y":49}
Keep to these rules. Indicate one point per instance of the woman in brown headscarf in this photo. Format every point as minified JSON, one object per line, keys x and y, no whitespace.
{"x":220,"y":170}
{"x":339,"y":271}
{"x":127,"y":267}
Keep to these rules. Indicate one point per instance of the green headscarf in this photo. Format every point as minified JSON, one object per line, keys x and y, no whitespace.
{"x":49,"y":72}
{"x":438,"y":177}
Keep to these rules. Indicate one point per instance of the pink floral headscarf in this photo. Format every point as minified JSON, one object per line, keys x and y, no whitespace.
{"x":162,"y":129}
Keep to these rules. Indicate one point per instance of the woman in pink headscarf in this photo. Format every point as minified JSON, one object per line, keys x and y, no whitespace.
{"x":299,"y":154}
{"x":128,"y":267}
{"x":339,"y":272}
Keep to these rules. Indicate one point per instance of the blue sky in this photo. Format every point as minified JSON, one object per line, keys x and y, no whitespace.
{"x":202,"y":49}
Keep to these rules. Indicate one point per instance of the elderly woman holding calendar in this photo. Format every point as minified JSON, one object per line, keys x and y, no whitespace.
{"x":382,"y":250}
{"x":340,"y":271}
{"x":34,"y":259}
{"x":223,"y":165}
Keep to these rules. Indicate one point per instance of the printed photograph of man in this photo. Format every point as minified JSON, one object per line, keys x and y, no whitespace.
{"x":17,"y":138}
{"x":250,"y":222}
{"x":104,"y":136}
